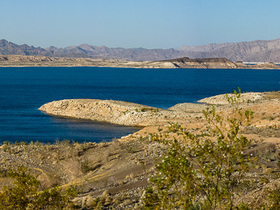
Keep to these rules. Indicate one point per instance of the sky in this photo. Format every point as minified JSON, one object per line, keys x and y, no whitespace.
{"x":138,"y":23}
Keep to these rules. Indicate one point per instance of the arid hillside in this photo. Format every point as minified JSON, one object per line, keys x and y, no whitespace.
{"x":115,"y":174}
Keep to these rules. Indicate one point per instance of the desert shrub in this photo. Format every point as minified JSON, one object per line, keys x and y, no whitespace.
{"x":25,"y":193}
{"x":203,"y":171}
{"x":273,"y":198}
{"x":145,"y":109}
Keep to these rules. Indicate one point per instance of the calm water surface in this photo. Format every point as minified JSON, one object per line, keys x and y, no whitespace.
{"x":24,"y":90}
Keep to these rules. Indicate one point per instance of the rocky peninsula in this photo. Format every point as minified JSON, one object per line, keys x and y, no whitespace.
{"x":114,"y":174}
{"x":131,"y":114}
{"x":110,"y":111}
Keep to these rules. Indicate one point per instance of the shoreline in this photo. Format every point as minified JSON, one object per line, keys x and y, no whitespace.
{"x":152,"y":119}
{"x":179,"y":63}
{"x":132,"y":114}
{"x":117,"y":171}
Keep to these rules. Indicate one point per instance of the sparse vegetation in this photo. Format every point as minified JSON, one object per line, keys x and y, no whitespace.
{"x":25,"y":193}
{"x":145,"y":109}
{"x":203,"y":171}
{"x":198,"y":166}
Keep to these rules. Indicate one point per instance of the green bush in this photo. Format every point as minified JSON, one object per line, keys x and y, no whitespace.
{"x":25,"y":194}
{"x":203,"y":170}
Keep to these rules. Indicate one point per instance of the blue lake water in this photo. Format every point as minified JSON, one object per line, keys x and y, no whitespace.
{"x":24,"y":90}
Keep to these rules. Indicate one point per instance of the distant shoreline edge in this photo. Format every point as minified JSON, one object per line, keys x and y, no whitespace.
{"x":184,"y":63}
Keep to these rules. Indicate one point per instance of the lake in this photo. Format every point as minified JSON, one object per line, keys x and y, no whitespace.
{"x":24,"y":90}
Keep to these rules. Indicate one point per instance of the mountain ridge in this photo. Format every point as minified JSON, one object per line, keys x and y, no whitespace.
{"x":250,"y":51}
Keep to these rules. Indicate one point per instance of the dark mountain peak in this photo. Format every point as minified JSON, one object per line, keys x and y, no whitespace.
{"x":3,"y":42}
{"x":10,"y":48}
{"x":87,"y":47}
{"x":52,"y":48}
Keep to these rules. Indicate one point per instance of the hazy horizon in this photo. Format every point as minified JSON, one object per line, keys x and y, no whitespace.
{"x":131,"y":24}
{"x":134,"y":47}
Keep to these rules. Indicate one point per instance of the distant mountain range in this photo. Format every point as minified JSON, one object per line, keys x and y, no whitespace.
{"x":253,"y":51}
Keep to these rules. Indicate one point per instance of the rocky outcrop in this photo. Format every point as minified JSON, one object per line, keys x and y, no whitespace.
{"x":203,"y":63}
{"x":217,"y":63}
{"x":116,"y":112}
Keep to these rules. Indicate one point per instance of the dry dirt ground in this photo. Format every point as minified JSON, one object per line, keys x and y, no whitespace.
{"x":116,"y":172}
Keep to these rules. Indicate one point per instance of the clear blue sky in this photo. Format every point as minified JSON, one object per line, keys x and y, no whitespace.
{"x":138,"y":23}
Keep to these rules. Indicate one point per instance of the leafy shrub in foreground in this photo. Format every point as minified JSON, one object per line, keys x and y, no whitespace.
{"x":202,"y":171}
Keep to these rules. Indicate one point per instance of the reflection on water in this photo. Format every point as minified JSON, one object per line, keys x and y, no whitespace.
{"x":81,"y":130}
